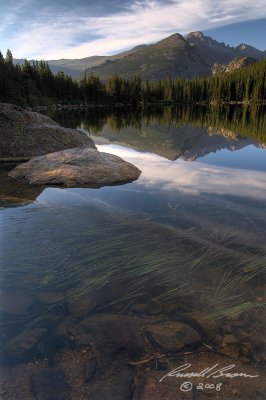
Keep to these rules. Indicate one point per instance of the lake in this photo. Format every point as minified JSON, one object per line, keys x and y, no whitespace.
{"x":104,"y":291}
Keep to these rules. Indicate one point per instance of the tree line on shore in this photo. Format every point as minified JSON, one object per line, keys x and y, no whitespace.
{"x":238,"y":120}
{"x":33,"y":84}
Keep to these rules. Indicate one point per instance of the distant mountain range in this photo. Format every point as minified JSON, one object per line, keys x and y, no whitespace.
{"x":175,"y":56}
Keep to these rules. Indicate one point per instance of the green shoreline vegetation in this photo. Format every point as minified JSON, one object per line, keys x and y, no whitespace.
{"x":33,"y":84}
{"x":239,"y":120}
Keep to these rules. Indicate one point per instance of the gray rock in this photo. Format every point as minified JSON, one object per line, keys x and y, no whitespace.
{"x":82,"y":306}
{"x":14,"y":302}
{"x":172,"y":336}
{"x":19,"y":346}
{"x":68,"y":327}
{"x":89,"y":369}
{"x":229,"y":339}
{"x":112,"y":335}
{"x":25,"y":134}
{"x":118,"y":386}
{"x":206,"y":325}
{"x":50,"y":384}
{"x":79,"y":166}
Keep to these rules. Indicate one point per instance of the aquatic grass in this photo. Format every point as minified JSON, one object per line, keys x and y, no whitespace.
{"x":140,"y":257}
{"x":227,"y":295}
{"x":107,"y":261}
{"x":237,"y":309}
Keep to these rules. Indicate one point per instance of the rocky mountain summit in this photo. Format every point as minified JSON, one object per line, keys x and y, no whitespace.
{"x":213,"y":51}
{"x":236,"y":63}
{"x":250,"y":51}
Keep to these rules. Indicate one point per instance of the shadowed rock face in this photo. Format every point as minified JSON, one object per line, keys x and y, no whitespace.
{"x":25,"y":134}
{"x":79,"y":166}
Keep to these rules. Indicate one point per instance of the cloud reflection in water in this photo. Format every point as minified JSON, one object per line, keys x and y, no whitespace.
{"x":192,"y":177}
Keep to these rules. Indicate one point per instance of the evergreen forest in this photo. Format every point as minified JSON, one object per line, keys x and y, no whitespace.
{"x":33,"y":84}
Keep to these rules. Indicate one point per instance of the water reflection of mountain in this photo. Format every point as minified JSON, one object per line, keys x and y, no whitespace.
{"x":173,"y":132}
{"x":212,"y":143}
{"x":173,"y":142}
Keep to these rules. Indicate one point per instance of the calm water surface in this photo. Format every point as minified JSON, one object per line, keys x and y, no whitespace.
{"x":184,"y":242}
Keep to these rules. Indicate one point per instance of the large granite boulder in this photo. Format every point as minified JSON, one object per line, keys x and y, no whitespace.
{"x":79,"y":166}
{"x":25,"y":134}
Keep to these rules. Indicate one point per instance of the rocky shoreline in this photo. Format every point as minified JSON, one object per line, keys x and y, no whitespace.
{"x":56,"y":155}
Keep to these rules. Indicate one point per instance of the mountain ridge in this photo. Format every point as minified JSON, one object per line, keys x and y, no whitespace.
{"x":176,"y":56}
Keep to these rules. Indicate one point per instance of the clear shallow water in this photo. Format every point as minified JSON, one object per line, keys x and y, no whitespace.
{"x":187,"y":238}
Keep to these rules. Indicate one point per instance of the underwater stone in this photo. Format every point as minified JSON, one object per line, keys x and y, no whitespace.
{"x":89,"y":369}
{"x":115,"y":386}
{"x":19,"y":346}
{"x":110,"y":333}
{"x":14,"y":302}
{"x":172,"y":336}
{"x":206,"y":323}
{"x":50,"y":384}
{"x":82,"y":306}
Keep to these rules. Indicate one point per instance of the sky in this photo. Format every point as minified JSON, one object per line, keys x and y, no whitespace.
{"x":49,"y":29}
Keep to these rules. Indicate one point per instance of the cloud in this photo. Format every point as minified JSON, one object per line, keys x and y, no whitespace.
{"x":77,"y":34}
{"x":164,"y":175}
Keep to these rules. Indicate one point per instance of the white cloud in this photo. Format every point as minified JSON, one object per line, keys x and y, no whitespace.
{"x":143,"y":22}
{"x":192,"y":178}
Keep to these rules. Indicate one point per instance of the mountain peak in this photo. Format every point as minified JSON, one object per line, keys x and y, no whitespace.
{"x":140,"y":47}
{"x":174,"y":36}
{"x":196,"y":34}
{"x":249,"y":51}
{"x":242,"y":46}
{"x":172,"y":40}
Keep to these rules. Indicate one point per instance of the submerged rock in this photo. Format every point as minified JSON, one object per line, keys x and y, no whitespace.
{"x":116,"y":386}
{"x":113,"y":335}
{"x":82,"y":306}
{"x":50,"y":384}
{"x":79,"y":166}
{"x":89,"y":369}
{"x":14,"y":302}
{"x":204,"y":324}
{"x":172,"y":336}
{"x":19,"y":346}
{"x":25,"y":134}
